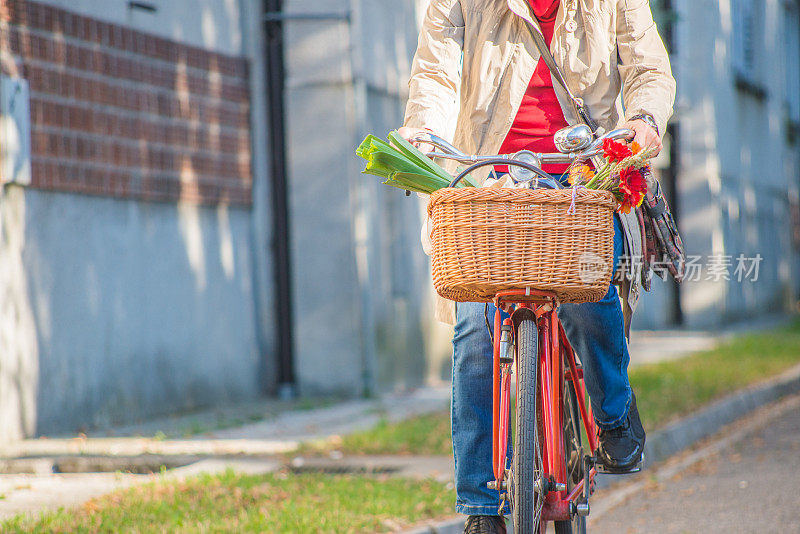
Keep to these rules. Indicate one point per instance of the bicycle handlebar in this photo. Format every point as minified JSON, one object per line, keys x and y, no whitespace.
{"x":585,"y":147}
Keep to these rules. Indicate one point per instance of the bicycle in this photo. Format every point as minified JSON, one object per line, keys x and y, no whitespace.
{"x":551,"y":476}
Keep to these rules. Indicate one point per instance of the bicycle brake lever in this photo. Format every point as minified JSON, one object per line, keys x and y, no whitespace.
{"x":619,"y":133}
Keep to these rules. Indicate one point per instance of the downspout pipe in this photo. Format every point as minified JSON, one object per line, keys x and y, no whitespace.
{"x":275,"y":74}
{"x":673,"y":172}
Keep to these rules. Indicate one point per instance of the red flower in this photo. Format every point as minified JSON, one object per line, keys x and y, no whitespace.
{"x":633,"y":177}
{"x":632,"y":187}
{"x":615,"y":151}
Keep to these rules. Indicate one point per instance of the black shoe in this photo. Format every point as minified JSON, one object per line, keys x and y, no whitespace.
{"x":621,"y":448}
{"x":485,"y":524}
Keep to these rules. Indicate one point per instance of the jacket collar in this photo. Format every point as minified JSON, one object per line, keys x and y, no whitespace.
{"x":522,"y":9}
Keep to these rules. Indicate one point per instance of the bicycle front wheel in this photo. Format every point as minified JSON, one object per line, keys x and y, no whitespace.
{"x":527,"y":459}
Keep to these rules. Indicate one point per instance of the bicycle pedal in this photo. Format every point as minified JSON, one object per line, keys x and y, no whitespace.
{"x":602,"y":468}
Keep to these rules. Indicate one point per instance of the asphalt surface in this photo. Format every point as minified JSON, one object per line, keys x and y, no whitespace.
{"x":750,"y":484}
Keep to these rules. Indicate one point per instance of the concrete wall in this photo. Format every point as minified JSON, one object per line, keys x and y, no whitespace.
{"x":133,"y":309}
{"x":360,"y":279}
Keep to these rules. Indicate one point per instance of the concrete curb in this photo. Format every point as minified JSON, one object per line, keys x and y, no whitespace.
{"x":683,"y":433}
{"x":279,"y":435}
{"x":140,"y":446}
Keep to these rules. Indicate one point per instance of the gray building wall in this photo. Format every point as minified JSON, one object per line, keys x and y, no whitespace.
{"x":138,"y":308}
{"x":118,"y":310}
{"x":738,"y":169}
{"x":360,"y":279}
{"x":210,"y":24}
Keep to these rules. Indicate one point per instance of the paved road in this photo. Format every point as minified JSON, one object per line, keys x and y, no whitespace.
{"x":750,"y":485}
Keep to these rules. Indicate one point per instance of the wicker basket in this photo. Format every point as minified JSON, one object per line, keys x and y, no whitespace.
{"x":487,"y":240}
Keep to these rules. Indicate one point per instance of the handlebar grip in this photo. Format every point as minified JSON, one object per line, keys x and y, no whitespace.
{"x":619,"y":133}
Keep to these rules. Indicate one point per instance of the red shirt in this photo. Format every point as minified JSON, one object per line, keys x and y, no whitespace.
{"x":539,"y":115}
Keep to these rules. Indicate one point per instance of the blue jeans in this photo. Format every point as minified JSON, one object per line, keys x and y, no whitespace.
{"x":596,"y":332}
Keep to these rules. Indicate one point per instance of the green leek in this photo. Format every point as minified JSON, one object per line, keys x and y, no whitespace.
{"x":403,"y":165}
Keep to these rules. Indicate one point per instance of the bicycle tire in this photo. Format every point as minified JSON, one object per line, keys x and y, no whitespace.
{"x":573,"y":456}
{"x":526,"y":462}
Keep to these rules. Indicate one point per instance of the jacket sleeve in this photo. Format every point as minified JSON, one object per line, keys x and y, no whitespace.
{"x":436,"y":69}
{"x":647,"y":82}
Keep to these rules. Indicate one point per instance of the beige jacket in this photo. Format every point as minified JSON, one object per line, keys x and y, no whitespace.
{"x":484,"y":48}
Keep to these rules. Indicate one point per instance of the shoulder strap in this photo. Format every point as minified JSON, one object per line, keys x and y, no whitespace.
{"x":577,"y":102}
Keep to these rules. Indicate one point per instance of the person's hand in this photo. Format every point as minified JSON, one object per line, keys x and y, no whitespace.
{"x":408,"y":133}
{"x":645,"y":135}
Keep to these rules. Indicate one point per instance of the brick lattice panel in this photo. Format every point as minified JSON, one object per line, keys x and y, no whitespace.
{"x":117,"y":112}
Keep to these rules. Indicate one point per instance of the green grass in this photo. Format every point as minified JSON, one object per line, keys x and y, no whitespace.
{"x":667,"y":390}
{"x":247,"y":503}
{"x":425,"y":434}
{"x":664,"y":391}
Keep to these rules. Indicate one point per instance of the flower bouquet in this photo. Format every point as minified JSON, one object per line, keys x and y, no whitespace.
{"x":624,"y":173}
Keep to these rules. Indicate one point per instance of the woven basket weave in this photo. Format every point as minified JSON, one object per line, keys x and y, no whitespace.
{"x":487,"y":240}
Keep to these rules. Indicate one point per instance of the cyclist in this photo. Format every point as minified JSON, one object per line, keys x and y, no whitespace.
{"x":477,"y":63}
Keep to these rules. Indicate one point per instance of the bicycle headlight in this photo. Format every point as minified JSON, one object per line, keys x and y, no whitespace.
{"x":521,"y":174}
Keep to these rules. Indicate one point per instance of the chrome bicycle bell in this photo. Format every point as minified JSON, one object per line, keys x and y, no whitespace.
{"x":573,"y":138}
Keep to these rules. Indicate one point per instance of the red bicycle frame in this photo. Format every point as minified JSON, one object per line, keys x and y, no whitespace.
{"x":554,"y":351}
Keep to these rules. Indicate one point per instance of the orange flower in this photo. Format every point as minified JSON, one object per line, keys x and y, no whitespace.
{"x":580,"y":175}
{"x":635,"y":148}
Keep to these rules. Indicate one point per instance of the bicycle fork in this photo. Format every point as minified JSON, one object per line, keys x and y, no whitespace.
{"x":503,"y":359}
